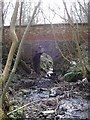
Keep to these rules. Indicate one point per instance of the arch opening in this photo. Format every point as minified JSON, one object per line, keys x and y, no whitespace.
{"x":46,"y":64}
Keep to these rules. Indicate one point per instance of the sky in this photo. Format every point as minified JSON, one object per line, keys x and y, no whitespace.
{"x":57,"y":5}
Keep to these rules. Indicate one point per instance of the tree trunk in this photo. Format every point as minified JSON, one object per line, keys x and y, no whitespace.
{"x":13,"y":46}
{"x":20,"y":20}
{"x":18,"y":54}
{"x":1,"y":26}
{"x":14,"y":38}
{"x":89,"y":34}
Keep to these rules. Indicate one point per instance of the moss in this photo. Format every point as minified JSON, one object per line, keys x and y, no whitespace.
{"x":73,"y":76}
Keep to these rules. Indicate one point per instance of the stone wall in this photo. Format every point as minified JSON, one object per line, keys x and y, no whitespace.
{"x":45,"y":36}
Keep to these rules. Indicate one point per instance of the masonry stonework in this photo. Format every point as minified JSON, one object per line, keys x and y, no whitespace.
{"x":45,"y":36}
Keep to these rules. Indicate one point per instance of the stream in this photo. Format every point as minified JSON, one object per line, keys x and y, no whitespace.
{"x":54,"y":101}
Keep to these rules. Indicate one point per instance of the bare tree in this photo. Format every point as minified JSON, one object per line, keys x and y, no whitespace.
{"x":5,"y":73}
{"x":13,"y":46}
{"x":73,"y":18}
{"x":6,"y":70}
{"x":77,"y":39}
{"x":27,"y":10}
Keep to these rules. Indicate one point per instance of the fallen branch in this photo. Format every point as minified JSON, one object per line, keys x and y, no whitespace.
{"x":21,"y":107}
{"x":18,"y":109}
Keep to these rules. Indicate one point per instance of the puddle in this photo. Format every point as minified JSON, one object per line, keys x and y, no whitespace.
{"x":39,"y":94}
{"x":69,"y":107}
{"x":74,"y":108}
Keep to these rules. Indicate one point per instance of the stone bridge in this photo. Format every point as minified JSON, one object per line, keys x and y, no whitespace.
{"x":47,"y":36}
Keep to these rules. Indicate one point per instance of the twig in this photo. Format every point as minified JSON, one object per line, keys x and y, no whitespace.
{"x":18,"y":109}
{"x":21,"y":107}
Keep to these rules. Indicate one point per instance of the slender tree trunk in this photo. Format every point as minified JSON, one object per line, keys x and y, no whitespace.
{"x":14,"y":38}
{"x":13,"y":46}
{"x":20,"y":21}
{"x":18,"y":53}
{"x":1,"y":29}
{"x":89,"y":34}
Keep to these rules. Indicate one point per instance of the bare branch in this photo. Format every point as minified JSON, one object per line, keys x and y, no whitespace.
{"x":19,"y":52}
{"x":84,"y":10}
{"x":55,"y":38}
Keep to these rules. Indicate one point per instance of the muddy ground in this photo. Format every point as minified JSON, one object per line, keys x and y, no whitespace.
{"x":51,"y":98}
